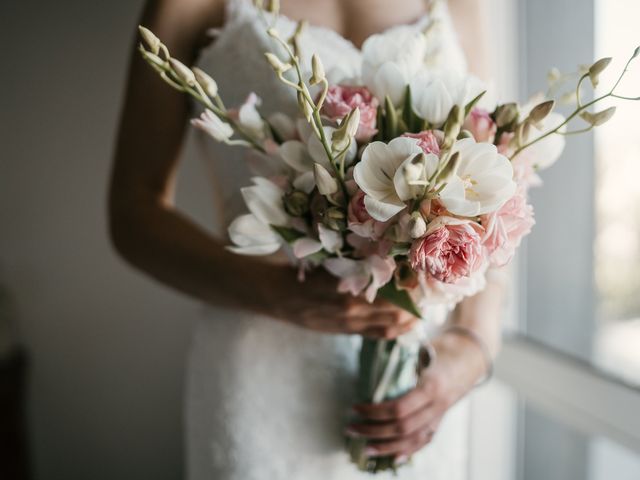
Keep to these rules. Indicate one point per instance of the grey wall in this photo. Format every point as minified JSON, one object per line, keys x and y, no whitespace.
{"x":107,"y":345}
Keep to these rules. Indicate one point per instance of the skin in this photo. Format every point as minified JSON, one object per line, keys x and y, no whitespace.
{"x":151,"y":234}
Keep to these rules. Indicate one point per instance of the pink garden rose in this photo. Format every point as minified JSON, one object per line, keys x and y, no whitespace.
{"x":481,"y":125}
{"x":450,"y":250}
{"x":428,"y":141}
{"x":341,"y":99}
{"x":506,"y":227}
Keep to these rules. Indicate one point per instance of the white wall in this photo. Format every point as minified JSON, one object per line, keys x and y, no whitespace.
{"x":107,"y":345}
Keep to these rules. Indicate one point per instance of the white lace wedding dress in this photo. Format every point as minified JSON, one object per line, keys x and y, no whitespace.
{"x":266,"y":400}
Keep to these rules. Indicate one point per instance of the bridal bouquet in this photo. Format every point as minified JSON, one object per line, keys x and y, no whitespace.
{"x":404,"y":183}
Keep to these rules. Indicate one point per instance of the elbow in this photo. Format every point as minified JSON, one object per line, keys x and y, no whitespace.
{"x":121,"y":230}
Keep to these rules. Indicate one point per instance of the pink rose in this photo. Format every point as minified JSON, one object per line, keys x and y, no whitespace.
{"x":451,"y":250}
{"x":341,"y":99}
{"x":506,"y":227}
{"x":481,"y":125}
{"x":427,"y":140}
{"x":359,"y":220}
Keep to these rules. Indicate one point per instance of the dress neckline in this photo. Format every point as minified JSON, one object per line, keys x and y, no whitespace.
{"x":418,"y":22}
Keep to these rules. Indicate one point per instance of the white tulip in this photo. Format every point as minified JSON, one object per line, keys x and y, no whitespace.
{"x":482,"y":182}
{"x":391,"y":59}
{"x":434,"y":95}
{"x":210,"y":123}
{"x":378,"y":173}
{"x":264,"y":200}
{"x":252,"y":236}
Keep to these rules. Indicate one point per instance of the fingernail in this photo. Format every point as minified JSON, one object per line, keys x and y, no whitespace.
{"x":400,"y":460}
{"x":370,"y":451}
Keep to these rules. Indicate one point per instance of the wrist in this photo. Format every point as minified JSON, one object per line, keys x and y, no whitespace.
{"x":462,"y":358}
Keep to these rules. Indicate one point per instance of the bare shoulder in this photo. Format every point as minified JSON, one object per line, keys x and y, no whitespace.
{"x":182,"y":24}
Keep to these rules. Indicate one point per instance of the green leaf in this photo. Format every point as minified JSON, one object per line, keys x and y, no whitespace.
{"x":472,"y":103}
{"x":391,"y":119}
{"x":289,"y":235}
{"x":399,"y":298}
{"x":407,"y":111}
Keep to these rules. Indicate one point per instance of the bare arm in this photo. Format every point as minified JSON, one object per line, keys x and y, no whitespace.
{"x":154,"y":236}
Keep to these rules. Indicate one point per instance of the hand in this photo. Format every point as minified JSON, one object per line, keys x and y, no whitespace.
{"x":316,"y":304}
{"x":403,"y":426}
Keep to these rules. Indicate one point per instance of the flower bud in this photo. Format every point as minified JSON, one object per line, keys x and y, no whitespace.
{"x":506,"y":114}
{"x":414,"y":169}
{"x":296,"y":203}
{"x":353,"y":122}
{"x":183,"y":72}
{"x":600,"y":118}
{"x":317,"y":69}
{"x":154,"y":60}
{"x":150,"y":39}
{"x":327,"y":185}
{"x":274,"y":6}
{"x":417,"y":225}
{"x":541,"y":111}
{"x":596,"y":69}
{"x":273,"y":33}
{"x":278,"y":66}
{"x":453,"y":125}
{"x":306,"y":109}
{"x":207,"y":83}
{"x":335,"y":219}
{"x":343,"y":135}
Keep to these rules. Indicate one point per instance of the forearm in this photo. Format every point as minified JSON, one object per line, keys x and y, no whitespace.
{"x":171,"y":248}
{"x":482,"y":314}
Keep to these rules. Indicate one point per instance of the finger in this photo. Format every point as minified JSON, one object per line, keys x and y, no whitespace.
{"x":394,"y":409}
{"x":399,"y":447}
{"x":404,"y":427}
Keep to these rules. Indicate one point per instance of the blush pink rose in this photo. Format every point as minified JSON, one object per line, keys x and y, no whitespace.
{"x":481,"y":125}
{"x":506,"y":227}
{"x":341,"y":99}
{"x":428,"y":141}
{"x":451,"y":250}
{"x":359,"y":220}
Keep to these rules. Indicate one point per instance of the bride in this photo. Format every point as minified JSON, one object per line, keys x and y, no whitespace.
{"x":272,"y":365}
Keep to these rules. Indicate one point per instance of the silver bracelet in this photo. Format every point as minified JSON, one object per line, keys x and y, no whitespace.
{"x":428,"y":352}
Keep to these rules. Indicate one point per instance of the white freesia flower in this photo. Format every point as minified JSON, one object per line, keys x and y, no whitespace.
{"x":251,"y":236}
{"x":379,"y":176}
{"x":318,"y":153}
{"x":391,"y":59}
{"x":482,"y":182}
{"x":371,"y":274}
{"x":434,"y":95}
{"x":249,"y":117}
{"x":211,"y":124}
{"x":264,"y":200}
{"x":330,"y":240}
